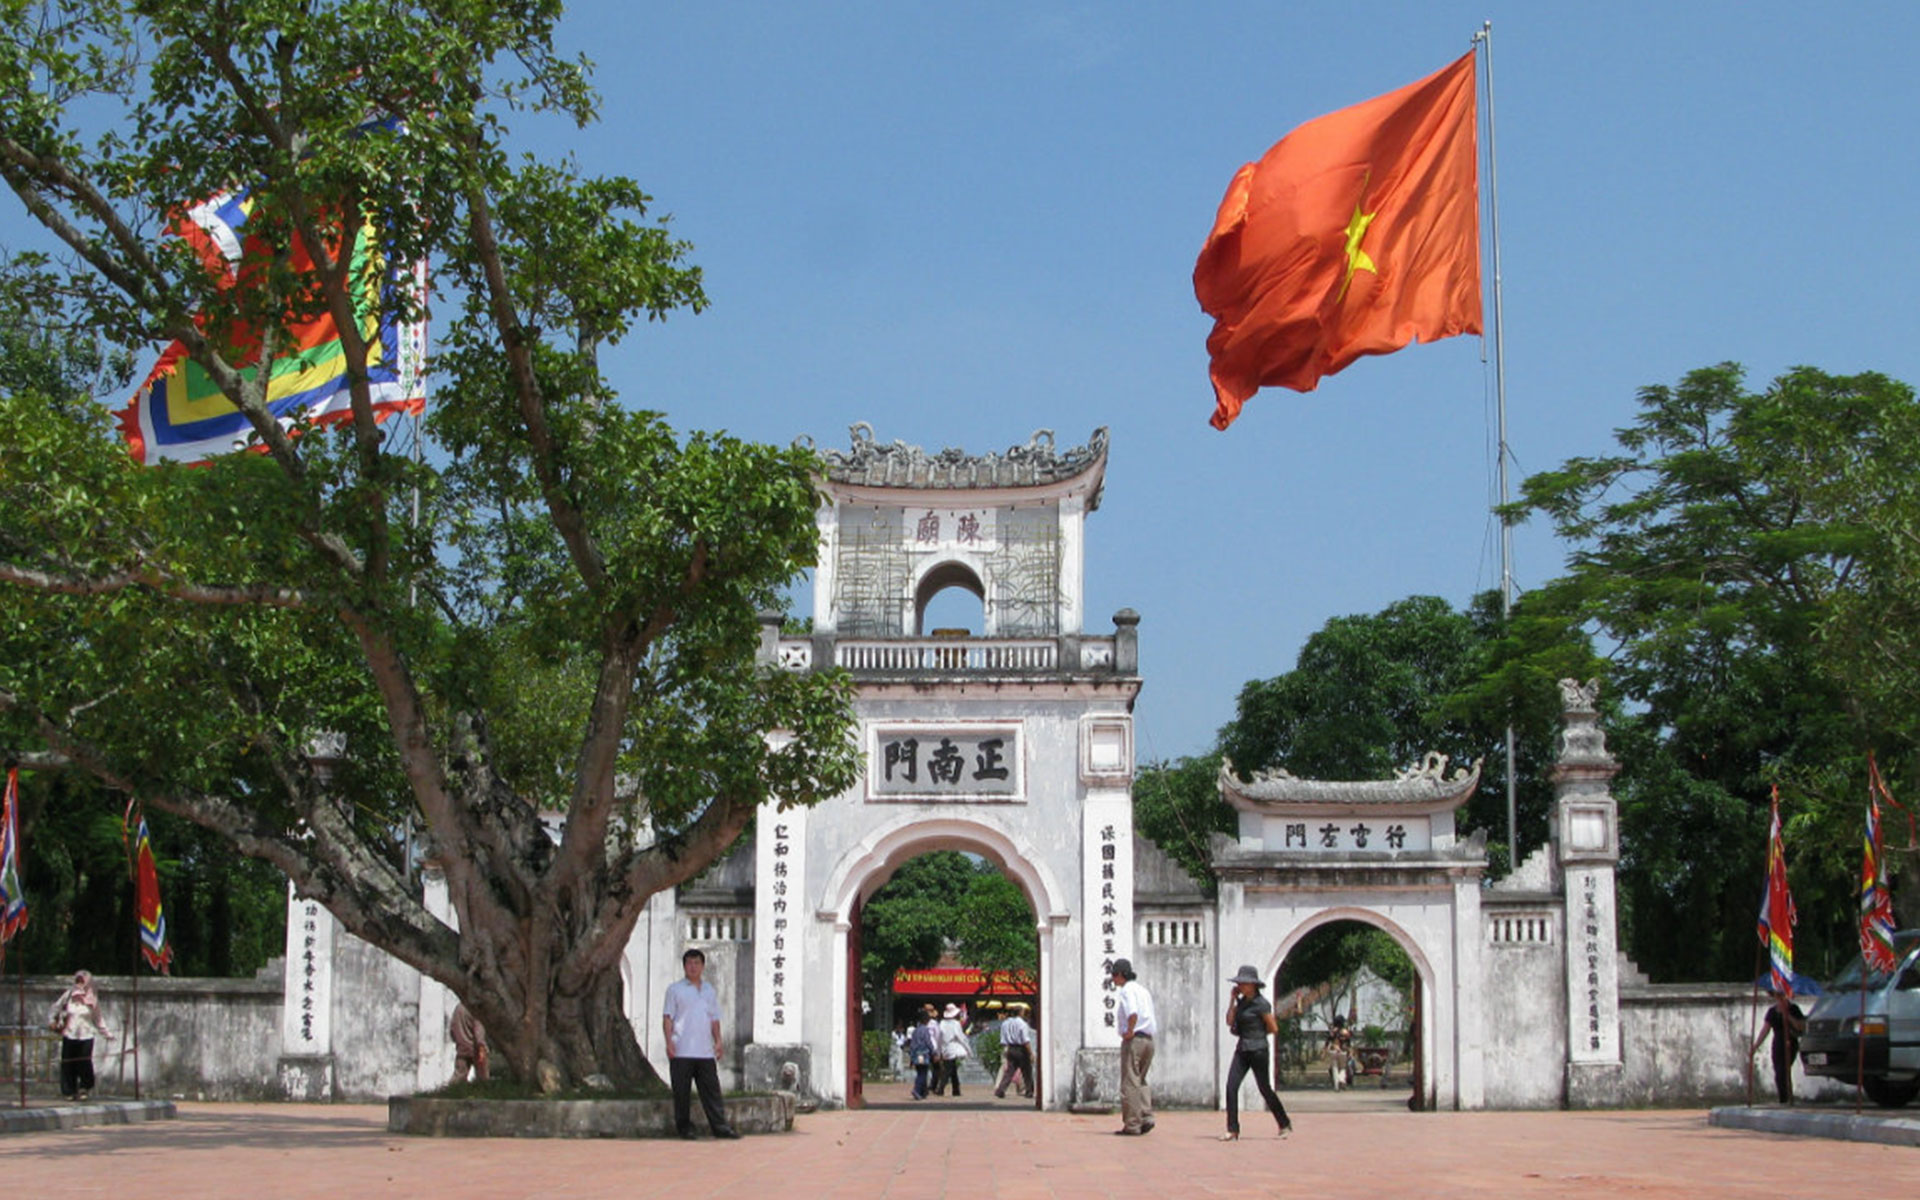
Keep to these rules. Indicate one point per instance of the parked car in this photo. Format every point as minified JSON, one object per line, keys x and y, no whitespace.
{"x":1866,"y":1026}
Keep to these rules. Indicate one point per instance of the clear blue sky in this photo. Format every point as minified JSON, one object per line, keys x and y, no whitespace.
{"x":966,"y":222}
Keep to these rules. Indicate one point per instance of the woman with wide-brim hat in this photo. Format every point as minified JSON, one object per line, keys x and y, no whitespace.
{"x":1251,"y":1019}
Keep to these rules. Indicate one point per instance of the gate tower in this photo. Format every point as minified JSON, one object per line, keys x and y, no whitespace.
{"x":1014,"y":743}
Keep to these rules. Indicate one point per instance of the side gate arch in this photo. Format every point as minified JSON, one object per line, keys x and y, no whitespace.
{"x":1311,"y":852}
{"x":1435,"y":1020}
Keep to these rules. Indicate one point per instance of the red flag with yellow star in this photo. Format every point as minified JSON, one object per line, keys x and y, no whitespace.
{"x":1355,"y":234}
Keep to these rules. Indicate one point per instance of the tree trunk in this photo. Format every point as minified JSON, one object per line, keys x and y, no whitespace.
{"x":584,"y":1035}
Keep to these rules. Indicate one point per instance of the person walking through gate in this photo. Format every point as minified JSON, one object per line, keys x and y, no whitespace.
{"x":1250,"y":1017}
{"x":691,"y":1020}
{"x":1016,"y":1048}
{"x":1134,"y":1014}
{"x":953,"y":1047}
{"x":923,"y":1050}
{"x":1785,"y":1023}
{"x":76,"y":1018}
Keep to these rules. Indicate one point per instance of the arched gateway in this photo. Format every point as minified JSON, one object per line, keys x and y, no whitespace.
{"x":1016,"y":743}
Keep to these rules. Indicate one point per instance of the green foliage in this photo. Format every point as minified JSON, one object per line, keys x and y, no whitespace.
{"x":1177,"y":806}
{"x":946,"y":902}
{"x":1749,"y":557}
{"x":572,"y":624}
{"x":1334,"y":955}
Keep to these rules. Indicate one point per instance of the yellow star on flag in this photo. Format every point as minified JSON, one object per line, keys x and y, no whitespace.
{"x":1357,"y":259}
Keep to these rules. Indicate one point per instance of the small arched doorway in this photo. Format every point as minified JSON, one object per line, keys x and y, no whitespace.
{"x":1329,"y":956}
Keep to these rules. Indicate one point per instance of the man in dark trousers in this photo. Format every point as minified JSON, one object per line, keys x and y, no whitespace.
{"x":1784,"y":1024}
{"x":691,"y":1020}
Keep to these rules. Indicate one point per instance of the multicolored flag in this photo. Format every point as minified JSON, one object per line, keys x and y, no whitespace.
{"x":1777,"y":916}
{"x":1876,"y":899}
{"x":1353,"y":235}
{"x":13,"y":898}
{"x":146,"y":903}
{"x":180,"y":414}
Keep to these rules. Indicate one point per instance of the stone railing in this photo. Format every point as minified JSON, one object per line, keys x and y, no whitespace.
{"x":1117,"y":653}
{"x":952,"y":656}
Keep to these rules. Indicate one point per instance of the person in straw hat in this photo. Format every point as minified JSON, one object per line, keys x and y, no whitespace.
{"x":1250,"y":1017}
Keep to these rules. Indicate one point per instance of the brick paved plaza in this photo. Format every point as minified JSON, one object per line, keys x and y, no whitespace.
{"x":286,"y":1152}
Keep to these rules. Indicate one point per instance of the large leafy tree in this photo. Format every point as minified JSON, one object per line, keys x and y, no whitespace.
{"x":1749,"y":557}
{"x":568,"y":630}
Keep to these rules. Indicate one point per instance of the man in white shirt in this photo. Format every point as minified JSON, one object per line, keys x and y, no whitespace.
{"x":1016,"y":1050}
{"x":691,"y":1020}
{"x":1134,"y":1014}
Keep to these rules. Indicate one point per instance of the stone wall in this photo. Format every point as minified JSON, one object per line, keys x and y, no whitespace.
{"x":1175,"y":957}
{"x":199,"y":1039}
{"x":1687,"y":1044}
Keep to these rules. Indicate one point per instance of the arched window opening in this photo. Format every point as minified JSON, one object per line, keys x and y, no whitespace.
{"x":950,"y":601}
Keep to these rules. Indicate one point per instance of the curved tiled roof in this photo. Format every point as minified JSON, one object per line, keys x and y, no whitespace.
{"x":896,"y":464}
{"x":1427,"y":787}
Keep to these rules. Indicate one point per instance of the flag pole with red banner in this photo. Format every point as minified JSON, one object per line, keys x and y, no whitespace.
{"x":151,"y":916}
{"x":1776,"y":921}
{"x":1356,"y":234}
{"x":13,"y":901}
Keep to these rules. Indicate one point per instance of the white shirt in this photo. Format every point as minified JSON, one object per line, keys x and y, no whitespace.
{"x":693,"y":1008}
{"x":953,"y":1040}
{"x":1015,"y":1032}
{"x":1134,"y":1001}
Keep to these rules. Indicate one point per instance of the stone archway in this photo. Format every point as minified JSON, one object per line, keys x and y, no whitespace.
{"x":1425,"y":1010}
{"x":874,"y":859}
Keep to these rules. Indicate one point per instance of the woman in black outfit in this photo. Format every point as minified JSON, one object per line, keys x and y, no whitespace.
{"x":1250,"y":1018}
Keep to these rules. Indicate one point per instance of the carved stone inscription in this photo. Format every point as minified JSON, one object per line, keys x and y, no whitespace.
{"x":945,"y":762}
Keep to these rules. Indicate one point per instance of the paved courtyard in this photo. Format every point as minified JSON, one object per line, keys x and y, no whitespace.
{"x":285,"y":1152}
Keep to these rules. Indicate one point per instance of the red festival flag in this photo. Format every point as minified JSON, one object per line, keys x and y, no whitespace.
{"x":1776,"y":908}
{"x":1876,"y":899}
{"x":1355,"y":234}
{"x":13,"y":899}
{"x":146,"y":901}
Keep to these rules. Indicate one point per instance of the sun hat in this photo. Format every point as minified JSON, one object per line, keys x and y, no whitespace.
{"x":1248,"y":974}
{"x":951,"y":1011}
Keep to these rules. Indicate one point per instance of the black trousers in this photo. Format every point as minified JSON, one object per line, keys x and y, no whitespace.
{"x":1783,"y":1072}
{"x":685,"y":1073}
{"x":76,"y":1066}
{"x":1252,"y":1062}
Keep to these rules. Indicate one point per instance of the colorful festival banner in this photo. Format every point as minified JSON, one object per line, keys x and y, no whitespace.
{"x":146,"y":903}
{"x":180,"y":415}
{"x":1876,"y":898}
{"x":1776,"y":909}
{"x":13,"y":899}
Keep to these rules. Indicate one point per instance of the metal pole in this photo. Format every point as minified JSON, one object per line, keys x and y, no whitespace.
{"x":1485,"y":40}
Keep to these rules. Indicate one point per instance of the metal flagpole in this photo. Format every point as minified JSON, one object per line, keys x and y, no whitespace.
{"x":1485,"y":40}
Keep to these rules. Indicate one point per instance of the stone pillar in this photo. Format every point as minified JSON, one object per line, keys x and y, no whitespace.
{"x":306,"y":1022}
{"x":1106,"y":882}
{"x":1073,"y":527}
{"x":780,"y":920}
{"x":1586,"y":832}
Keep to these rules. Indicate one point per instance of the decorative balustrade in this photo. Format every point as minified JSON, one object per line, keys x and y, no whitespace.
{"x":954,"y":656}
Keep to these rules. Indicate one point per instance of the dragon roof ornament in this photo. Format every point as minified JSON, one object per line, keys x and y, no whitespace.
{"x":1424,"y":787}
{"x":870,"y":463}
